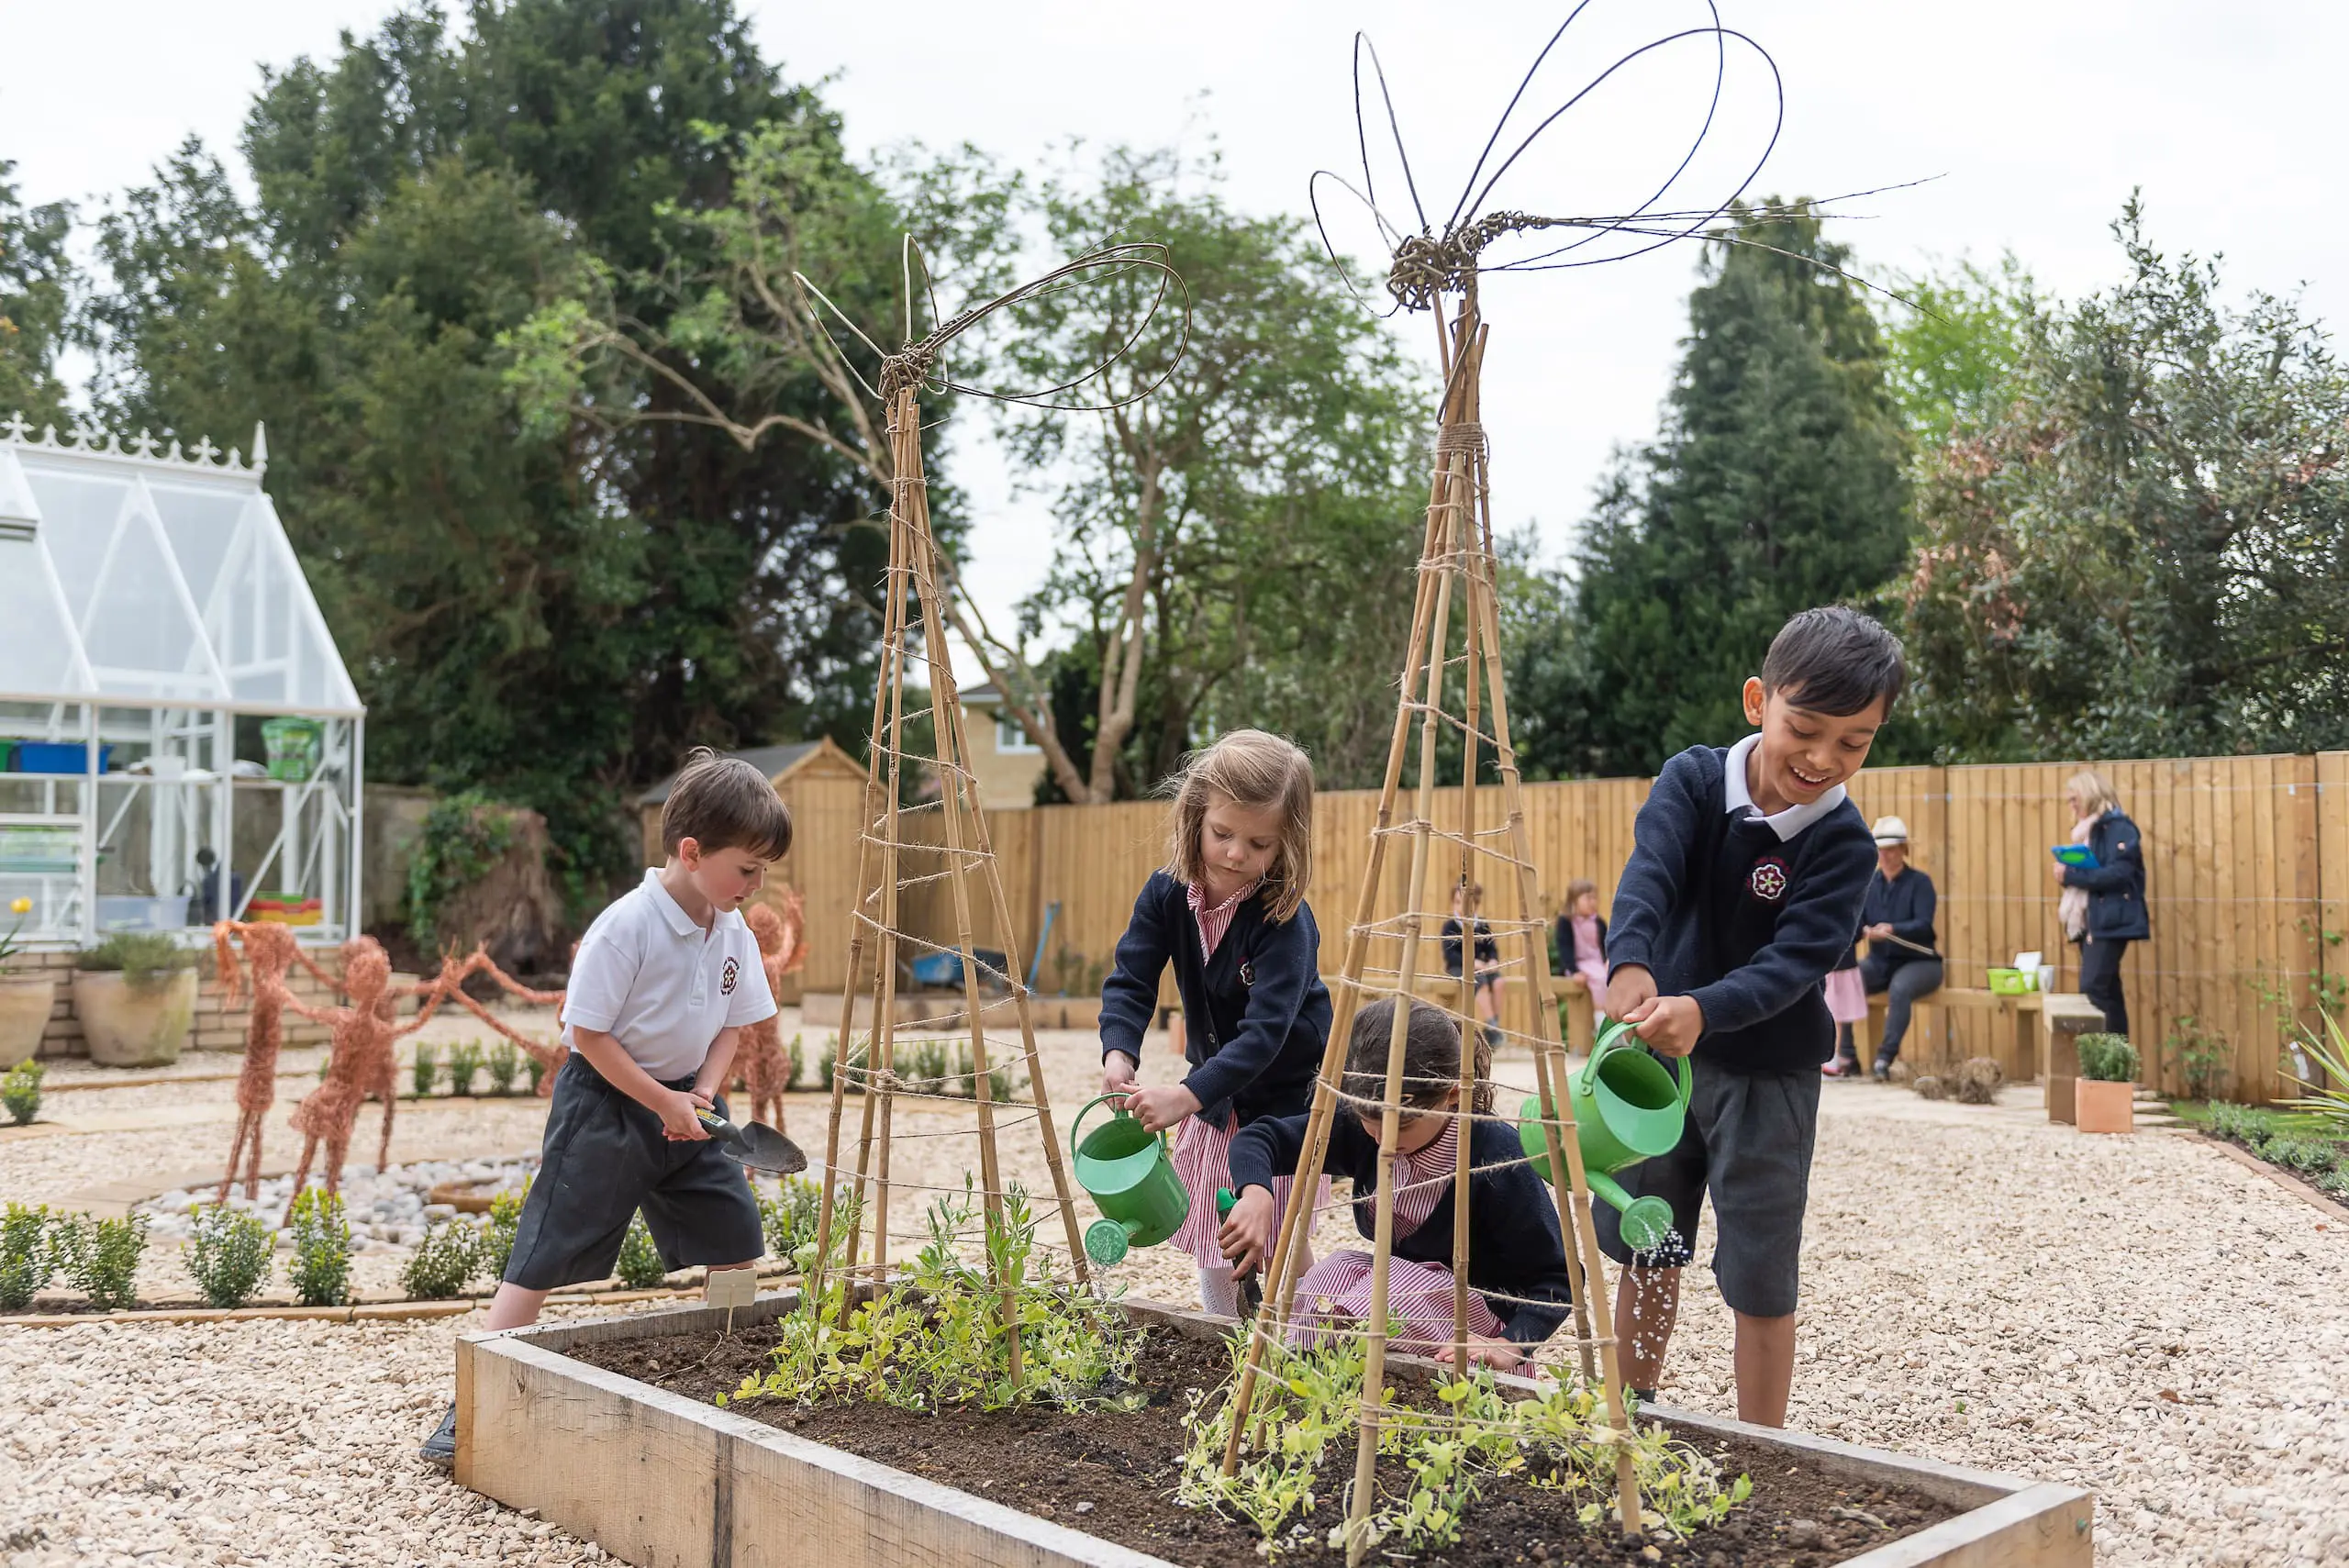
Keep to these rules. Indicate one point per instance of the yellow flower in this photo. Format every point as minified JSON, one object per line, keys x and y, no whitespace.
{"x":21,"y":906}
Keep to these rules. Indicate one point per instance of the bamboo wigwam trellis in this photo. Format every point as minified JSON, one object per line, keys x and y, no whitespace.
{"x":890,"y":859}
{"x":1452,"y":712}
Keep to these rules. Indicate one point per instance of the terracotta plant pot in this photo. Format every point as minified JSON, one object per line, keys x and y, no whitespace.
{"x":135,"y":1026}
{"x":2105,"y":1107}
{"x":24,"y":1014}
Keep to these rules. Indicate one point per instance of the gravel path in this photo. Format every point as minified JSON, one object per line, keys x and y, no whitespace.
{"x":2138,"y":1315}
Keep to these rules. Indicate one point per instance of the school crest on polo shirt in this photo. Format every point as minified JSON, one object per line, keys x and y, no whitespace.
{"x":728,"y":977}
{"x":1768,"y":879}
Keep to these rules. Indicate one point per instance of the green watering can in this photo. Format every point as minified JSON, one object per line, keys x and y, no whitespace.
{"x":1626,"y":1109}
{"x":1131,"y":1174}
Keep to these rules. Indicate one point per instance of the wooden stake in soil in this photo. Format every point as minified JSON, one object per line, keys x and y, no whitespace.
{"x":914,"y":629}
{"x":1457,"y":569}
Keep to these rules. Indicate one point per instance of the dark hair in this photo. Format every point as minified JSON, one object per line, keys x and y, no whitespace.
{"x":1430,"y":1056}
{"x":1836,"y":661}
{"x":725,"y":803}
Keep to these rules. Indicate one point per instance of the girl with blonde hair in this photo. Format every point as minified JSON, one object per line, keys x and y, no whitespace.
{"x":1228,"y":911}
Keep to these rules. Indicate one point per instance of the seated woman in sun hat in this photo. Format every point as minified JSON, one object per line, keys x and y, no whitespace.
{"x":1896,"y":919}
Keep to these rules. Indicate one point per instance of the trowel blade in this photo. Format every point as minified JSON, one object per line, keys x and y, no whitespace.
{"x":762,"y":1148}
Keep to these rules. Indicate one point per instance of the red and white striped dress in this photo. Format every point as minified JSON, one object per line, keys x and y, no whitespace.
{"x":1203,"y":1153}
{"x":1336,"y":1292}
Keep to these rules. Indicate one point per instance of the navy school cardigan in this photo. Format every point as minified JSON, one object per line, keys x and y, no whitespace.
{"x":1255,"y":1018}
{"x":1748,"y":924}
{"x":1514,"y":1246}
{"x":2116,"y":883}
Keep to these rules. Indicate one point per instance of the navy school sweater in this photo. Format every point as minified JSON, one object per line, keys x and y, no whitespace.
{"x":1514,"y":1246}
{"x":1726,"y":912}
{"x":1255,"y":1018}
{"x":1907,"y":905}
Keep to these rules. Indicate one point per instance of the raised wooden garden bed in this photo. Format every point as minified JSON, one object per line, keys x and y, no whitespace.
{"x":663,"y":1480}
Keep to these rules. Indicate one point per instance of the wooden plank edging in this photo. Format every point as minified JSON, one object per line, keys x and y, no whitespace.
{"x":522,"y":1379}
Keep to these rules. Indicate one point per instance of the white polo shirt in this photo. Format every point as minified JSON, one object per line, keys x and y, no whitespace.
{"x":653,"y":980}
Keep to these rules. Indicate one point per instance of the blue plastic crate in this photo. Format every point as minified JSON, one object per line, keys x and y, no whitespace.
{"x":58,"y":757}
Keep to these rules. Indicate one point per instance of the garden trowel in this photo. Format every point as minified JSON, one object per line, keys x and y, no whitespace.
{"x":754,"y":1145}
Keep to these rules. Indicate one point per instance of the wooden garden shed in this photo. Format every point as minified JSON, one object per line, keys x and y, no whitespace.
{"x":822,"y":785}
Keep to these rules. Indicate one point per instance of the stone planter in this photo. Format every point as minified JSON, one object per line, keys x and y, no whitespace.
{"x":135,"y":1026}
{"x":24,"y":1014}
{"x":656,"y":1478}
{"x":2099,"y":1106}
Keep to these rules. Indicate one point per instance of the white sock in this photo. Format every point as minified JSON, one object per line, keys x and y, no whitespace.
{"x":1218,"y":1293}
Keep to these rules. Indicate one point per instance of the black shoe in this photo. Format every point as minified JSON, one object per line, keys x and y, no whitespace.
{"x":441,"y":1447}
{"x":1883,"y":1072}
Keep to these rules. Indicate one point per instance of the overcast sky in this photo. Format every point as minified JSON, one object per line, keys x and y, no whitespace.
{"x":2040,"y":116}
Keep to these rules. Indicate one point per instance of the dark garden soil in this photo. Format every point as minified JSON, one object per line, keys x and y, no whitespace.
{"x":1113,"y":1474}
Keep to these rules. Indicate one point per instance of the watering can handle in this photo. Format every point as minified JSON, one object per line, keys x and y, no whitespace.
{"x":1075,"y":1131}
{"x":1612,"y":1039}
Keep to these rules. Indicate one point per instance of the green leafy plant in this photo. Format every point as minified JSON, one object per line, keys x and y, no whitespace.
{"x":940,"y":1338}
{"x":320,"y":1270}
{"x":2108,"y":1058}
{"x":640,"y":1267}
{"x":2309,"y":1156}
{"x":443,"y":1262}
{"x":25,"y":1257}
{"x":2335,"y":1184}
{"x":824,"y":1067}
{"x":1002,"y":1081}
{"x":2203,"y":1060}
{"x":925,"y":1065}
{"x":425,"y":1070}
{"x":792,"y":1218}
{"x":2246,"y":1125}
{"x":2328,"y":1101}
{"x":795,"y":1062}
{"x":227,"y":1254}
{"x":538,"y":1071}
{"x":462,"y":838}
{"x":498,"y":1233}
{"x":21,"y":1091}
{"x":1469,"y":1436}
{"x":464,"y":1065}
{"x":144,"y":958}
{"x":100,"y":1257}
{"x":505,"y":1063}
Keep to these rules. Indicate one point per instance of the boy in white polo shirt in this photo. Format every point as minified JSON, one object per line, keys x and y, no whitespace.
{"x":665,"y":981}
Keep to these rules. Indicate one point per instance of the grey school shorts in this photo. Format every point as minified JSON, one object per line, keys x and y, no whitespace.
{"x":605,"y":1157}
{"x":1747,"y":1143}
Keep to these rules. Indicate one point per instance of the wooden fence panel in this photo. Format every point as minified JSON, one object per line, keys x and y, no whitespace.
{"x":2247,"y":862}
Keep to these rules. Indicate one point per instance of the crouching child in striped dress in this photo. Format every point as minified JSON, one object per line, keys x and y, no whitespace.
{"x":1228,"y":911}
{"x":1520,"y":1290}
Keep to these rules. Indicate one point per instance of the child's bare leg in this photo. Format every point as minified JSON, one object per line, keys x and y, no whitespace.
{"x":514,"y":1307}
{"x":1765,"y":1362}
{"x":1647,"y":1306}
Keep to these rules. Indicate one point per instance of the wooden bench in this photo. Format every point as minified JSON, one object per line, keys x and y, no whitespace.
{"x":2014,"y":1042}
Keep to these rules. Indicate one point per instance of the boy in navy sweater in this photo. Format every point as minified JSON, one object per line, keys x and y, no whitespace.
{"x":1742,"y":890}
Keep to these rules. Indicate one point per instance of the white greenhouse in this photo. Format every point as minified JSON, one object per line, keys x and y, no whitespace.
{"x":179,"y":739}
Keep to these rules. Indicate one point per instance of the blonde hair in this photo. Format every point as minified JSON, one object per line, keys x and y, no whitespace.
{"x":1258,"y":771}
{"x":2094,"y":790}
{"x":1577,"y":888}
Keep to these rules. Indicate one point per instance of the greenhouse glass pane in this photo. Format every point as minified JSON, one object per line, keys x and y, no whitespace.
{"x":37,"y":655}
{"x":78,"y":518}
{"x":201,"y":525}
{"x":138,"y":632}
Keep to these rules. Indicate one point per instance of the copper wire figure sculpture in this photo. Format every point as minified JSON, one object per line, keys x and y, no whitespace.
{"x":270,"y":951}
{"x":766,"y":1069}
{"x":450,"y":986}
{"x":358,"y":1063}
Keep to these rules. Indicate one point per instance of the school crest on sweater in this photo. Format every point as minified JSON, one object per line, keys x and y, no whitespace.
{"x":1769,"y":880}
